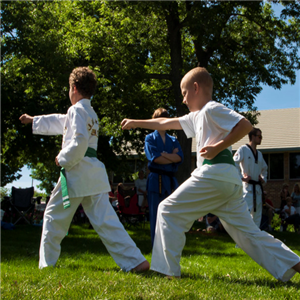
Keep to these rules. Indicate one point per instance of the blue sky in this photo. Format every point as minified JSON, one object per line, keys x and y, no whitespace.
{"x":287,"y":97}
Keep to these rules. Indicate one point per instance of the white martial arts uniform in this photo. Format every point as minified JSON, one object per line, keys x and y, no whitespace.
{"x":87,"y":184}
{"x":214,"y":189}
{"x":254,"y":167}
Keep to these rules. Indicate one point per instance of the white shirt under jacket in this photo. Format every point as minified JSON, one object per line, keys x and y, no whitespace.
{"x":79,"y":127}
{"x":210,"y":125}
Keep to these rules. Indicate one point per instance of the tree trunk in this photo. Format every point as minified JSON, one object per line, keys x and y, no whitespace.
{"x":174,"y":34}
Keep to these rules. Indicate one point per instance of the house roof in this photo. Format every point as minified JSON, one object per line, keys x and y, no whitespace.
{"x":280,"y":129}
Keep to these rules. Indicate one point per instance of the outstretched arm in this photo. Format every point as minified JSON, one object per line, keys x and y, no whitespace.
{"x":26,"y":119}
{"x":154,"y":124}
{"x":52,"y":124}
{"x":242,"y":128}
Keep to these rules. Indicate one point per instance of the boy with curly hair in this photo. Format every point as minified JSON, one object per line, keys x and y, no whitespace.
{"x":83,"y":179}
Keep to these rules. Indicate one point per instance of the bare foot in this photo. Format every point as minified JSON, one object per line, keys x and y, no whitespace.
{"x":142,"y":267}
{"x":297,"y":267}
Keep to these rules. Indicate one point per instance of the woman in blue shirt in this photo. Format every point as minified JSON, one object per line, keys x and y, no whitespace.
{"x":164,"y":154}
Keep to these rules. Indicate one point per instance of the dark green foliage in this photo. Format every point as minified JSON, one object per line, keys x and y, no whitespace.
{"x":139,"y":50}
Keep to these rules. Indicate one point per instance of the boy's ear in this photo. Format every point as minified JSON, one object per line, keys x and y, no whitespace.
{"x":196,"y":87}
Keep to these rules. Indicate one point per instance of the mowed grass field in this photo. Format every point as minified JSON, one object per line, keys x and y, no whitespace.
{"x":212,"y":268}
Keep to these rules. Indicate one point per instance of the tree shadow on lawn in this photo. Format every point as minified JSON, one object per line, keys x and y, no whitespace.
{"x":188,"y":253}
{"x":271,"y":283}
{"x":267,"y":282}
{"x":24,"y":242}
{"x":92,"y":266}
{"x":208,"y":245}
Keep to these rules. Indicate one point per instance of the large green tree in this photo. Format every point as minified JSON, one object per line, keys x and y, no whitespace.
{"x":140,"y":51}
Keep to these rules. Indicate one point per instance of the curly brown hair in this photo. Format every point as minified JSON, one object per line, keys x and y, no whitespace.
{"x":85,"y":81}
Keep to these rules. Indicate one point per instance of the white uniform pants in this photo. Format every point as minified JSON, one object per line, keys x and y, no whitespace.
{"x":197,"y":197}
{"x":256,"y":215}
{"x":105,"y":222}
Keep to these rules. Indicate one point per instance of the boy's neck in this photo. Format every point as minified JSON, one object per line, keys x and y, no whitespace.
{"x":204,"y":98}
{"x":78,"y":98}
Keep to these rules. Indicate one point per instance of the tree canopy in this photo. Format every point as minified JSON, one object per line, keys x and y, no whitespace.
{"x":139,"y":51}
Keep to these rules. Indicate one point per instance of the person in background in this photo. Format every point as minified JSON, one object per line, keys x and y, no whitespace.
{"x":296,"y":197}
{"x":112,"y":196}
{"x":164,"y":155}
{"x":253,"y":169}
{"x":268,"y":211}
{"x":141,"y":190}
{"x":291,"y":216}
{"x":284,"y":193}
{"x":213,"y":224}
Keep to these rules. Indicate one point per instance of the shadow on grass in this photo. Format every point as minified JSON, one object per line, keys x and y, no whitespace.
{"x":24,"y":242}
{"x":270,"y":283}
{"x":92,"y":267}
{"x":187,"y":253}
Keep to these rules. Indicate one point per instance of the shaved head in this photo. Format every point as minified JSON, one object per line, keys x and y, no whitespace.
{"x":200,"y":76}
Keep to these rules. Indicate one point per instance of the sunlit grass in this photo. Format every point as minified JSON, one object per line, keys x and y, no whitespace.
{"x":212,"y":268}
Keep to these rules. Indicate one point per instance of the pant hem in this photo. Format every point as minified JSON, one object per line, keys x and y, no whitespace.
{"x":164,"y":272}
{"x":128,"y":269}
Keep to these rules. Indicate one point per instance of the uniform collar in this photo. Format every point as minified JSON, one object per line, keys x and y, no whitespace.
{"x":84,"y":102}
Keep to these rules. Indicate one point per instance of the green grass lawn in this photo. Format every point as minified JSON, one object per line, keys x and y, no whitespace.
{"x":212,"y":268}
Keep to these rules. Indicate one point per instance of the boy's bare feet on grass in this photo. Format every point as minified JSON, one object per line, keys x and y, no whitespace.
{"x":297,"y":267}
{"x":143,"y":267}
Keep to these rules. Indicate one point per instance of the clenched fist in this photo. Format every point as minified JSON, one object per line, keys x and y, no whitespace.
{"x":127,"y":124}
{"x":26,"y":119}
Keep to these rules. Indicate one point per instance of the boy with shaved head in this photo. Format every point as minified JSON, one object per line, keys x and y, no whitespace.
{"x":214,"y":186}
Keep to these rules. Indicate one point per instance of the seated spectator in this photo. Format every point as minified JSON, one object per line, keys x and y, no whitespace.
{"x":125,"y":193}
{"x":291,"y":216}
{"x":296,"y":197}
{"x":283,"y":195}
{"x":112,"y":196}
{"x":213,"y":224}
{"x":141,"y":189}
{"x":120,"y":188}
{"x":268,"y":211}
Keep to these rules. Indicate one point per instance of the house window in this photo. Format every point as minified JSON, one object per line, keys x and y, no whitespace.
{"x":275,"y":164}
{"x":294,"y":163}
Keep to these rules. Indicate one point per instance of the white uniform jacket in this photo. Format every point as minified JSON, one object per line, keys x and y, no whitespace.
{"x":248,"y":164}
{"x":79,"y":127}
{"x":210,"y":125}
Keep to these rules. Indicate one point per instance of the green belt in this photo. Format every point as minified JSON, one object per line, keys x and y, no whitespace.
{"x":224,"y":157}
{"x":90,"y":152}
